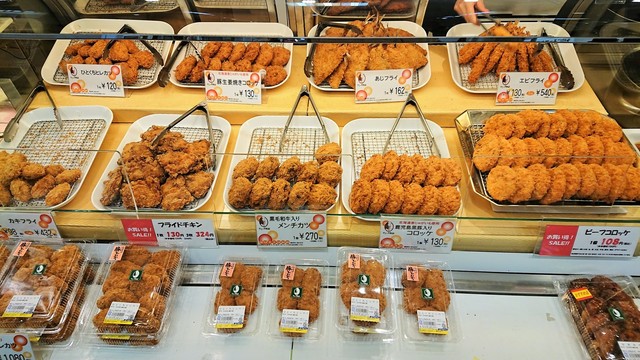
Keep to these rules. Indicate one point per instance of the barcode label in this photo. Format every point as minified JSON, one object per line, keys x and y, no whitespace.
{"x":432,"y":322}
{"x":122,"y":313}
{"x":363,"y":309}
{"x":630,"y":350}
{"x":230,"y":317}
{"x":21,"y":306}
{"x":294,"y":321}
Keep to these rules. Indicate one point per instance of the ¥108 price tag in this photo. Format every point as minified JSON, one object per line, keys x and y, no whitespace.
{"x":233,"y":87}
{"x":585,"y":240}
{"x":383,"y":85}
{"x":15,"y":347}
{"x":95,"y":80}
{"x":435,"y":235}
{"x":531,"y":88}
{"x":292,"y":230}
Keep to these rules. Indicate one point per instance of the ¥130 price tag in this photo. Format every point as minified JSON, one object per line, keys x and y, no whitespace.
{"x":95,"y":80}
{"x":167,"y":231}
{"x":15,"y":347}
{"x":27,"y":226}
{"x":531,"y":88}
{"x":292,"y":230}
{"x":435,"y":235}
{"x":383,"y":85}
{"x":584,"y":240}
{"x":233,"y":87}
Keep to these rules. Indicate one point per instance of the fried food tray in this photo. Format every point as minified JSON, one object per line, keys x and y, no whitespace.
{"x":361,"y":12}
{"x":193,"y":128}
{"x":52,"y":74}
{"x":470,"y":127}
{"x":74,"y":146}
{"x":232,"y":4}
{"x":489,"y":83}
{"x":101,"y":7}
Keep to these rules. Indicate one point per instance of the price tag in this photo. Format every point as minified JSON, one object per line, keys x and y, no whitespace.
{"x":531,"y":88}
{"x":16,"y":346}
{"x":432,"y":322}
{"x":121,"y":313}
{"x":353,"y":261}
{"x":117,"y":252}
{"x":233,"y":87}
{"x":581,"y":294}
{"x":584,"y":240}
{"x":28,"y":225}
{"x":292,"y":230}
{"x":630,"y":350}
{"x":95,"y":80}
{"x":167,"y":231}
{"x":230,"y":317}
{"x":374,"y":86}
{"x":363,"y":309}
{"x":294,"y":321}
{"x":289,"y":272}
{"x":21,"y":306}
{"x":434,"y":235}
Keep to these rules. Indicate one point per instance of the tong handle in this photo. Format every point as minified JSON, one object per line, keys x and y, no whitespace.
{"x":308,"y":62}
{"x":12,"y":126}
{"x":304,"y":91}
{"x":411,"y":99}
{"x":129,"y":30}
{"x":163,"y":76}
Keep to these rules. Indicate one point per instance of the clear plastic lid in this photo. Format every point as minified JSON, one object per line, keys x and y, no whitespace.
{"x":605,"y":313}
{"x":236,"y":306}
{"x":364,"y":303}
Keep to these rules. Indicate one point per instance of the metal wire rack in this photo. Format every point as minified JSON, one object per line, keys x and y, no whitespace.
{"x":232,"y":4}
{"x":145,"y":76}
{"x":301,"y":142}
{"x":103,"y":7}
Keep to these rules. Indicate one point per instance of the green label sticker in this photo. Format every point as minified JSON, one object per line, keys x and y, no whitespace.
{"x":39,"y":269}
{"x":616,"y":315}
{"x":235,"y":290}
{"x":427,"y":294}
{"x":135,"y":275}
{"x":296,"y":292}
{"x":364,"y":279}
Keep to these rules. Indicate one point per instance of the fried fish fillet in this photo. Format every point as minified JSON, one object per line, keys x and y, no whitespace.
{"x":326,"y":59}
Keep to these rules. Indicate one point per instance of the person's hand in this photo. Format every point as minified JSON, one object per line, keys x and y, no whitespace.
{"x":467,"y":9}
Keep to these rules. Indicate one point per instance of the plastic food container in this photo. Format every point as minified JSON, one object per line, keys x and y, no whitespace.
{"x":364,"y":303}
{"x":605,"y":313}
{"x":236,"y":305}
{"x":138,"y":285}
{"x":300,"y":302}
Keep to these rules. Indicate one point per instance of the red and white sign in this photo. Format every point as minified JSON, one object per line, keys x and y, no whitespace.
{"x":573,"y":240}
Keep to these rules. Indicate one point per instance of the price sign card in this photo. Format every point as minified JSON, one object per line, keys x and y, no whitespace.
{"x":166,"y":231}
{"x":95,"y":80}
{"x":383,"y":85}
{"x":432,"y":322}
{"x":527,"y":88}
{"x":572,"y":240}
{"x":292,"y":230}
{"x":21,"y":306}
{"x":16,"y":346}
{"x":233,"y":87}
{"x":294,"y":321}
{"x":363,"y":309}
{"x":434,"y":235}
{"x":28,"y":225}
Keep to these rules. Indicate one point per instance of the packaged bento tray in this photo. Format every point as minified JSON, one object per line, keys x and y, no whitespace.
{"x":138,"y":285}
{"x":605,"y":312}
{"x":300,"y":302}
{"x":40,"y":286}
{"x":236,"y":306}
{"x":364,"y":303}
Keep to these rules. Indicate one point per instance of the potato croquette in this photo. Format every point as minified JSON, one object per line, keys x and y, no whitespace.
{"x":550,"y":151}
{"x":328,"y":152}
{"x":545,"y":125}
{"x":237,"y":52}
{"x":632,"y":190}
{"x":251,"y":52}
{"x":288,"y":170}
{"x":267,"y":167}
{"x":210,"y":49}
{"x":379,"y":195}
{"x":520,"y":153}
{"x":308,"y":172}
{"x":280,"y":56}
{"x":246,"y":168}
{"x":396,"y":198}
{"x":299,"y":194}
{"x":329,"y":173}
{"x":573,"y":180}
{"x":419,"y":169}
{"x":405,"y":170}
{"x":265,"y":55}
{"x":413,"y":198}
{"x":214,"y":64}
{"x":21,"y":190}
{"x":580,"y":149}
{"x":321,"y":197}
{"x":564,"y":151}
{"x":608,"y":128}
{"x":596,"y":150}
{"x":241,"y":65}
{"x":557,"y":188}
{"x":541,"y":177}
{"x":532,"y":120}
{"x":32,"y":171}
{"x":275,"y":75}
{"x":144,"y":58}
{"x":572,"y":121}
{"x":141,"y":193}
{"x":431,"y":201}
{"x":452,"y":170}
{"x":558,"y":126}
{"x":588,"y":181}
{"x":122,"y":295}
{"x":373,"y":168}
{"x":42,"y":187}
{"x":586,"y":120}
{"x":5,"y":196}
{"x":449,"y":200}
{"x":391,"y":164}
{"x":361,"y":195}
{"x":536,"y":151}
{"x":197,"y":73}
{"x":279,"y":194}
{"x":499,"y":125}
{"x":486,"y":153}
{"x":228,"y":66}
{"x":260,"y":193}
{"x":618,"y":176}
{"x":506,"y":153}
{"x":240,"y":192}
{"x":524,"y":186}
{"x":224,"y":51}
{"x":603,"y":181}
{"x":501,"y":182}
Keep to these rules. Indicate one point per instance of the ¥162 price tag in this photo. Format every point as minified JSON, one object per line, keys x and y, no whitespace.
{"x":15,"y":347}
{"x":233,"y":87}
{"x":95,"y":80}
{"x":435,"y":235}
{"x":531,"y":88}
{"x":292,"y":230}
{"x":383,"y":85}
{"x":584,"y":240}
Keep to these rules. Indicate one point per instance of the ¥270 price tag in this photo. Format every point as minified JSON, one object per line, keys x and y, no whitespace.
{"x":95,"y":80}
{"x":167,"y":231}
{"x":28,"y":226}
{"x":434,"y":235}
{"x":292,"y":230}
{"x":383,"y":85}
{"x":233,"y":87}
{"x":531,"y":88}
{"x":584,"y":240}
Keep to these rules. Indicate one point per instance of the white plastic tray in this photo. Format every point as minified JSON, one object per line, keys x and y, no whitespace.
{"x":634,"y":138}
{"x":66,"y":113}
{"x":424,"y":73}
{"x":143,"y":124}
{"x":228,"y":29}
{"x":248,"y":127}
{"x":567,"y":51}
{"x":104,"y":26}
{"x":382,"y":125}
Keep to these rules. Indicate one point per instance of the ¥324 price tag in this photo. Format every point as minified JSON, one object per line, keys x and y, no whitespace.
{"x":167,"y":231}
{"x":292,"y":230}
{"x":383,"y":85}
{"x":95,"y":80}
{"x":530,"y":88}
{"x":572,"y":240}
{"x":233,"y":87}
{"x":434,"y":235}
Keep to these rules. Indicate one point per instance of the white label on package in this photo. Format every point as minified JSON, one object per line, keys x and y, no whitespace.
{"x":530,"y":88}
{"x":21,"y":306}
{"x":233,"y":87}
{"x":292,"y":230}
{"x":27,"y":225}
{"x":432,"y":322}
{"x":196,"y":231}
{"x":294,"y":321}
{"x":383,"y":85}
{"x":122,"y":313}
{"x":630,"y":350}
{"x":230,"y":317}
{"x":16,"y":347}
{"x":95,"y":80}
{"x":363,"y":309}
{"x":433,"y":235}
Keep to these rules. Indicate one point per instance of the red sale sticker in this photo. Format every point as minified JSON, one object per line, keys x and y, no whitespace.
{"x":558,"y":240}
{"x":140,"y":231}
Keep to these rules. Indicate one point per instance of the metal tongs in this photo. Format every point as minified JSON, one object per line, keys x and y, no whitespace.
{"x":304,"y":91}
{"x":163,"y":76}
{"x":202,"y":107}
{"x":126,"y":29}
{"x":12,"y":126}
{"x":412,"y":100}
{"x":308,"y":63}
{"x":566,"y":77}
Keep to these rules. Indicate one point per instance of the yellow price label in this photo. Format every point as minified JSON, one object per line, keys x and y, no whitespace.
{"x":581,"y":294}
{"x":364,"y":318}
{"x":229,"y":326}
{"x":17,"y":314}
{"x":116,"y":337}
{"x":118,"y":322}
{"x":294,"y":330}
{"x":434,"y":331}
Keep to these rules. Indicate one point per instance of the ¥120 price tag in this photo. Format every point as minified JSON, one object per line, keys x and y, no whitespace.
{"x":531,"y":88}
{"x":230,"y":317}
{"x":121,"y":313}
{"x":21,"y":306}
{"x":292,"y":230}
{"x":435,"y":235}
{"x":363,"y":309}
{"x":432,"y":322}
{"x":27,"y":226}
{"x":233,"y":87}
{"x":168,"y":231}
{"x":383,"y":85}
{"x":294,"y":321}
{"x":15,"y":347}
{"x":95,"y":80}
{"x":585,"y":240}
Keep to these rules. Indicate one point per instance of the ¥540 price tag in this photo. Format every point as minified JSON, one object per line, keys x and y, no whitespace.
{"x":584,"y":240}
{"x":531,"y":88}
{"x":435,"y":235}
{"x":383,"y":85}
{"x":233,"y":87}
{"x":95,"y":80}
{"x":292,"y":230}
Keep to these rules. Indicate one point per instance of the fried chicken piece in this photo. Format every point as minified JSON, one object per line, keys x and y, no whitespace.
{"x":129,"y":73}
{"x":119,"y":52}
{"x":145,"y":192}
{"x":260,"y":193}
{"x":251,"y":52}
{"x":308,"y":171}
{"x":265,"y":56}
{"x":139,"y":169}
{"x":237,"y":52}
{"x":121,"y":295}
{"x":321,"y":197}
{"x":279,"y":194}
{"x":224,"y":51}
{"x":5,"y":196}
{"x":267,"y":167}
{"x":239,"y":192}
{"x":21,"y":190}
{"x":200,"y":150}
{"x":175,"y":195}
{"x":326,"y":59}
{"x":242,"y":65}
{"x":288,"y":170}
{"x":42,"y":187}
{"x":199,"y":183}
{"x":210,"y":49}
{"x":197,"y":73}
{"x":144,"y":58}
{"x":329,"y":173}
{"x":177,"y":163}
{"x":246,"y":168}
{"x":501,"y":182}
{"x":54,"y":169}
{"x":183,"y":70}
{"x":68,"y":176}
{"x":469,"y":51}
{"x":357,"y":59}
{"x":328,"y":152}
{"x":299,"y":195}
{"x":58,"y":194}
